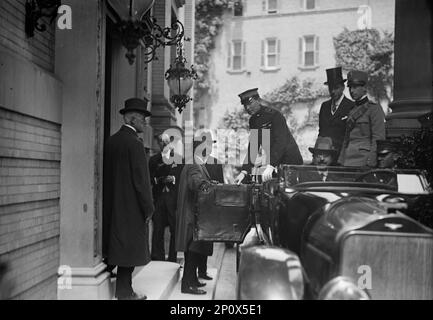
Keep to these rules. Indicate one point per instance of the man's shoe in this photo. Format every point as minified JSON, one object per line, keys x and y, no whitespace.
{"x":199,"y":284}
{"x":192,"y":290}
{"x":133,"y":296}
{"x":205,"y":276}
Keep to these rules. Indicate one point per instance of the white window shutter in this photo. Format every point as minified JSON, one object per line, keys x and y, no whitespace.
{"x":229,"y":55}
{"x":264,"y":6}
{"x":302,"y":4}
{"x":301,"y":51}
{"x":263,"y":53}
{"x":244,"y":54}
{"x":278,"y":51}
{"x":316,"y":57}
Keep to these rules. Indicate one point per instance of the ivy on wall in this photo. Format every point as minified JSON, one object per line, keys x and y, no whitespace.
{"x":369,"y":51}
{"x":208,"y":22}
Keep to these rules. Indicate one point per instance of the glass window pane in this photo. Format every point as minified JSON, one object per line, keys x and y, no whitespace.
{"x":237,"y":48}
{"x":309,"y":44}
{"x":272,"y":46}
{"x":311,"y":4}
{"x":272,"y":60}
{"x":272,"y":5}
{"x":237,"y":63}
{"x":309,"y":58}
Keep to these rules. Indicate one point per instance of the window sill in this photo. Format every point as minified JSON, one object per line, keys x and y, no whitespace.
{"x":236,"y":71}
{"x":310,"y":68}
{"x":270,"y":69}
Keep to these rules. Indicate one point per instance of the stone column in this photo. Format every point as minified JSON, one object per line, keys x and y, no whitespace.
{"x":413,"y":83}
{"x":80,"y":54}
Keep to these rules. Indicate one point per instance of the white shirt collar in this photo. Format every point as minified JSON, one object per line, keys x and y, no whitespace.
{"x":337,"y":104}
{"x":127,"y":125}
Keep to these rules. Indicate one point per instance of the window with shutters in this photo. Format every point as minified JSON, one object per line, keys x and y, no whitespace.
{"x":236,"y":55}
{"x":270,"y":6}
{"x":309,"y":51}
{"x":270,"y":54}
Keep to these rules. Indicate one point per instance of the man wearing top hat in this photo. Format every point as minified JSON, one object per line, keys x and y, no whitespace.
{"x":127,"y":199}
{"x":365,"y":125}
{"x":334,"y":112}
{"x":283,"y":147}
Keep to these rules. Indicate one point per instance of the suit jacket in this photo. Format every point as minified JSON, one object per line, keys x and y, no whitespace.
{"x":283,"y":147}
{"x":158,"y":171}
{"x":192,"y":177}
{"x":359,"y":146}
{"x":334,"y":126}
{"x":127,"y":200}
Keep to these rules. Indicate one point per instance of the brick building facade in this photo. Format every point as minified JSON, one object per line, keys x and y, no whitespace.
{"x":60,"y":92}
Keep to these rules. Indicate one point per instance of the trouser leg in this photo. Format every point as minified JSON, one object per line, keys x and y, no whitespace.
{"x":171,"y":208}
{"x":124,"y":282}
{"x":158,"y":251}
{"x":188,"y":270}
{"x":202,"y":264}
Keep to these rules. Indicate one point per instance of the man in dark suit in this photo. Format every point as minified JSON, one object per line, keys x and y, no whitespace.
{"x":127,"y":196}
{"x":165,"y":180}
{"x":334,"y":112}
{"x":283,"y":148}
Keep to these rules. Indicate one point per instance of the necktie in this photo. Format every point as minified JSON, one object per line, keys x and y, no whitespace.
{"x":334,"y":107}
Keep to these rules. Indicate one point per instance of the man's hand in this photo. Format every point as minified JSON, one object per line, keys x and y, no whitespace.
{"x":267,"y":174}
{"x":169,"y":179}
{"x":204,"y":187}
{"x":240,"y":177}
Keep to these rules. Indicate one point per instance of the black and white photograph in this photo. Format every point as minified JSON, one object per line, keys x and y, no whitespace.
{"x":216,"y":155}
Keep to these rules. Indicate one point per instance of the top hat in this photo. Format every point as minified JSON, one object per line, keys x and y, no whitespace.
{"x":323,"y":144}
{"x":334,"y":77}
{"x":386,"y":146}
{"x":136,"y":105}
{"x":246,"y":96}
{"x":356,"y":77}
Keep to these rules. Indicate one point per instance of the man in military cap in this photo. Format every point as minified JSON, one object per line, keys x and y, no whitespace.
{"x":365,"y":125}
{"x":386,"y":154}
{"x":127,"y":200}
{"x":283,"y":148}
{"x":334,"y":112}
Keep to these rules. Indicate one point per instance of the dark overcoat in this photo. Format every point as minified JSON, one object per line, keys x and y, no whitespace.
{"x":127,"y":200}
{"x":283,"y":147}
{"x":192,"y":177}
{"x":334,"y":125}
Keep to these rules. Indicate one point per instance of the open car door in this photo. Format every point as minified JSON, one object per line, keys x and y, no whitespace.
{"x":223,"y":213}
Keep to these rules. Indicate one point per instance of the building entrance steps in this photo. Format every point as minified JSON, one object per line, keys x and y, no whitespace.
{"x":156,"y":280}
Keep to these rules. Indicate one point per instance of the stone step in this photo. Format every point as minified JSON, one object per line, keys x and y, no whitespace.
{"x":156,"y":280}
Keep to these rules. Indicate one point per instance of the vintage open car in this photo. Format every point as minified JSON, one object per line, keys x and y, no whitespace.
{"x":324,"y":233}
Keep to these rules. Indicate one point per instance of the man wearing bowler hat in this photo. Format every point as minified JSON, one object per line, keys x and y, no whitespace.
{"x":334,"y":112}
{"x":128,"y":203}
{"x":283,"y":147}
{"x":365,"y":125}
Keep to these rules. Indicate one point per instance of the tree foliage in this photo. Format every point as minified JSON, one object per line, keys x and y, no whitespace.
{"x":369,"y":51}
{"x":208,"y":22}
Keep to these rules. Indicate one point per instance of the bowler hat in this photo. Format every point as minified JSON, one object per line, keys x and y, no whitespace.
{"x":386,"y":146}
{"x":356,"y":77}
{"x":247,"y":95}
{"x":334,"y":77}
{"x":323,"y":144}
{"x":136,"y":105}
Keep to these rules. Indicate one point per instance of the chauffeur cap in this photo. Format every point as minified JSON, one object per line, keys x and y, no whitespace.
{"x":356,"y":77}
{"x":246,"y":96}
